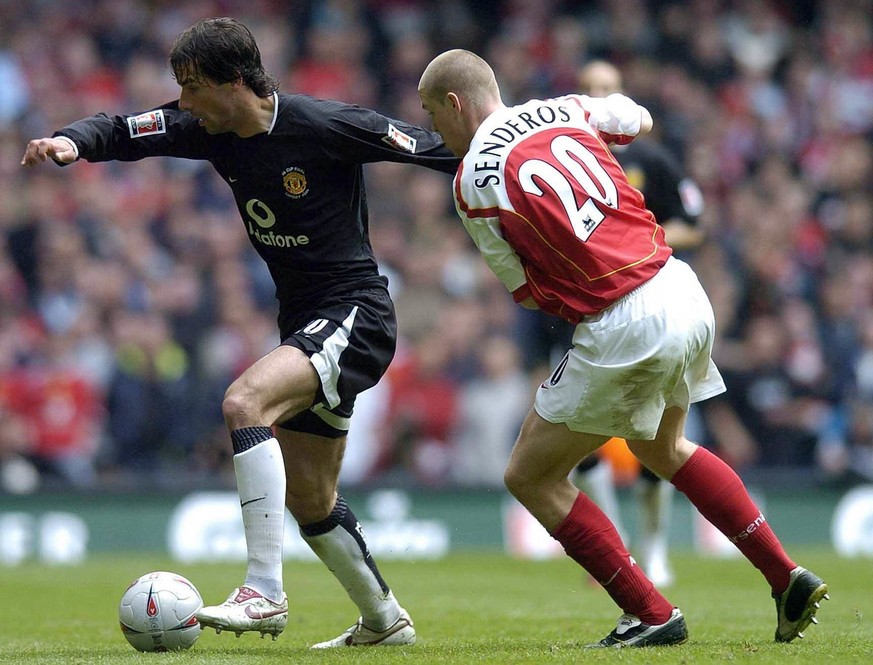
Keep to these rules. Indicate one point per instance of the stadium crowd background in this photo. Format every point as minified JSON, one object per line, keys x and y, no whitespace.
{"x":130,"y":297}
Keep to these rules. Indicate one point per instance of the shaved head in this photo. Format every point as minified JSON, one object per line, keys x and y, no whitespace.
{"x":463,"y":73}
{"x":599,"y":79}
{"x":458,"y":90}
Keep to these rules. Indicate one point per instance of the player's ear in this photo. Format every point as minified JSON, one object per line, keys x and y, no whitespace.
{"x":455,"y":101}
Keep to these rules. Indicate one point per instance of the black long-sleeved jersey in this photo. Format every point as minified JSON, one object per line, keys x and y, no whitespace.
{"x":299,"y":187}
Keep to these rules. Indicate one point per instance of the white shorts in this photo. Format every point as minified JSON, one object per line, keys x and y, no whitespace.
{"x":647,"y":351}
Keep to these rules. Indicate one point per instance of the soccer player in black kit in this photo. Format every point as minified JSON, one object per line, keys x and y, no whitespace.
{"x":294,"y":165}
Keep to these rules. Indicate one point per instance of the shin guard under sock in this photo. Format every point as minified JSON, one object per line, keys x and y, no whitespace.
{"x":590,"y":539}
{"x":721,"y":497}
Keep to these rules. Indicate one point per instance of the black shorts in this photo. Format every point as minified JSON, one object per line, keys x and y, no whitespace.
{"x":350,"y":340}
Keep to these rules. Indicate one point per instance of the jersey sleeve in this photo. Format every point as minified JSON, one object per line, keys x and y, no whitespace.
{"x":361,"y":135}
{"x":482,"y":221}
{"x":161,"y":131}
{"x":616,"y":118}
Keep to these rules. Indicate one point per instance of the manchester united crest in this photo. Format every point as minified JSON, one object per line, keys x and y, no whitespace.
{"x":294,"y":180}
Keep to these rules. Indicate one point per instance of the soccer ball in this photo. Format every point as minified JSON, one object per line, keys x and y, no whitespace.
{"x":158,"y":612}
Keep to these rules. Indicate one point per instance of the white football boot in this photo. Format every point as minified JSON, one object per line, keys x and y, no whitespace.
{"x":246,"y":610}
{"x":397,"y":634}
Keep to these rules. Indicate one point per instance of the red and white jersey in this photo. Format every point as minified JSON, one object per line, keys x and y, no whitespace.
{"x":550,"y":208}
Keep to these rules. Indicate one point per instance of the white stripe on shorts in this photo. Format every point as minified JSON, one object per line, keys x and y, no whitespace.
{"x":326,"y":361}
{"x":335,"y":421}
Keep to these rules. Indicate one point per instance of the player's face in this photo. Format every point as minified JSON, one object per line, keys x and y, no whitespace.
{"x":599,"y":80}
{"x":446,"y":119}
{"x":211,"y":103}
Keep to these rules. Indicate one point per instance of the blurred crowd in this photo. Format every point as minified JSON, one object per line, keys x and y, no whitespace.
{"x":130,"y":298}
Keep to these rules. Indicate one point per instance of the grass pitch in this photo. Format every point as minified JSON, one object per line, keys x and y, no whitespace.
{"x":467,"y":608}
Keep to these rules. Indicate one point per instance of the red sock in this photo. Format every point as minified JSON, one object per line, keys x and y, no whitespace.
{"x":720,"y":496}
{"x":590,"y":539}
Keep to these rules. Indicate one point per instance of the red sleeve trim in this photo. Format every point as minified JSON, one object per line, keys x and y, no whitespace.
{"x":619,"y":139}
{"x":522,"y":292}
{"x":471,"y":213}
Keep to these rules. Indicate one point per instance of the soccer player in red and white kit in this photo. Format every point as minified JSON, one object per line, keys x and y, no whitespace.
{"x":556,"y":220}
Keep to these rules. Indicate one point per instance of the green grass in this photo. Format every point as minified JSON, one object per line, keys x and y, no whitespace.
{"x":470,"y":608}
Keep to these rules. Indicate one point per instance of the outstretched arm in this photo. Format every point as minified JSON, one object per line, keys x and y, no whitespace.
{"x":60,"y":149}
{"x":163,"y":131}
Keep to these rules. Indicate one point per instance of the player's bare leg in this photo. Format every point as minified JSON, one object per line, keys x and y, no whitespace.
{"x":333,"y":532}
{"x":720,"y":496}
{"x":278,"y":385}
{"x":537,"y":475}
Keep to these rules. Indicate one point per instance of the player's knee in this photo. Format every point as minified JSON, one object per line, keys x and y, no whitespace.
{"x":663,"y":456}
{"x":517,"y":482}
{"x":239,"y":406}
{"x":309,"y":507}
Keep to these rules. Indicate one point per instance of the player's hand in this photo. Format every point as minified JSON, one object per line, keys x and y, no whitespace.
{"x":618,"y":115}
{"x":38,"y":150}
{"x":646,"y":122}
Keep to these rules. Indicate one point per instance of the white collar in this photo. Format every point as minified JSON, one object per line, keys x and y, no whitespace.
{"x":275,"y":111}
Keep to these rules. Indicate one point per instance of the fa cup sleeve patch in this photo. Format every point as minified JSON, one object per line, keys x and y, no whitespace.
{"x":399,"y":140}
{"x":147,"y":124}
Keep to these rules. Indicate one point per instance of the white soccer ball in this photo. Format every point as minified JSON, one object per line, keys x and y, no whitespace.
{"x":158,"y":612}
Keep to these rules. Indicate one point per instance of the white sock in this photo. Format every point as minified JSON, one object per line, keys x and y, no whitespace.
{"x":656,"y":502}
{"x":260,"y":481}
{"x":339,"y":542}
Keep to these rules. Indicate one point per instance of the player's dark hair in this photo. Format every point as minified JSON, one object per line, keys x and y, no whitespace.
{"x":222,"y":50}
